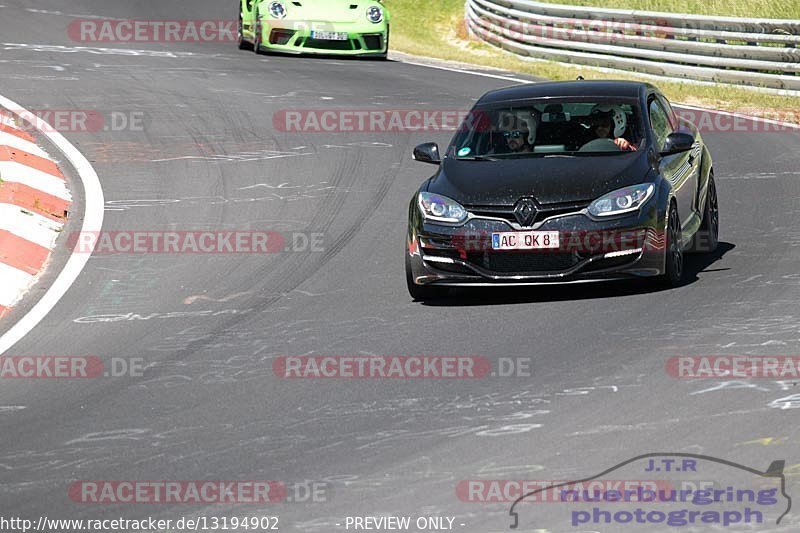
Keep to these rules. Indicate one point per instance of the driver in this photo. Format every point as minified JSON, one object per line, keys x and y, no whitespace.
{"x":610,"y":122}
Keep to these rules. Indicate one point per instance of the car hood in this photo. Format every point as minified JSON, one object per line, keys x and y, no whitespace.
{"x":549,"y":180}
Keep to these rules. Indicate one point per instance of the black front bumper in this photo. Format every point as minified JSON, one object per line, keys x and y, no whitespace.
{"x":630,"y":246}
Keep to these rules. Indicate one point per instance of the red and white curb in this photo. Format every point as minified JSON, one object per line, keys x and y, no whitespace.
{"x":34,"y":203}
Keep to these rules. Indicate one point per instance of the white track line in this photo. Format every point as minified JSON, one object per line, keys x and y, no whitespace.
{"x":474,"y":73}
{"x":92,"y":222}
{"x":520,"y":80}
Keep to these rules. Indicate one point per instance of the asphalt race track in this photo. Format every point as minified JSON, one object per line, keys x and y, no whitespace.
{"x":210,"y":407}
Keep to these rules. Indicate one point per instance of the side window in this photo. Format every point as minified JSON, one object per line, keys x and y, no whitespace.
{"x":659,"y":121}
{"x":673,"y":118}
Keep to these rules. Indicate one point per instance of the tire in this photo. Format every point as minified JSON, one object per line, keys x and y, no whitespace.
{"x":706,"y":239}
{"x":422,"y":292}
{"x":243,"y":45}
{"x":384,"y":57}
{"x":674,"y":260}
{"x":257,"y":39}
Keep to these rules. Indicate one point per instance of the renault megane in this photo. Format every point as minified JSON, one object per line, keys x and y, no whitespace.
{"x":562,"y":182}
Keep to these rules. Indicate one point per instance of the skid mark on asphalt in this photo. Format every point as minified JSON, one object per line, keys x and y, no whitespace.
{"x":772,"y":386}
{"x":789,"y":402}
{"x":269,"y":340}
{"x":319,"y":186}
{"x":762,"y":176}
{"x":290,"y":94}
{"x":143,"y":316}
{"x":296,"y":269}
{"x":70,"y":15}
{"x":117,"y":434}
{"x":204,"y":151}
{"x":312,"y":194}
{"x":31,"y":77}
{"x":262,"y":155}
{"x":49,"y":48}
{"x":204,"y":298}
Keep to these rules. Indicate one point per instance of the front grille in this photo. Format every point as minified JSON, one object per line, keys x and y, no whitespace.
{"x":545,"y":211}
{"x":518,"y":262}
{"x":280,"y":36}
{"x":324,"y":44}
{"x":373,"y":42}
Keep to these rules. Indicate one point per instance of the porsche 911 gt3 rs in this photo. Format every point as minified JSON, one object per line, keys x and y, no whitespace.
{"x":330,"y":27}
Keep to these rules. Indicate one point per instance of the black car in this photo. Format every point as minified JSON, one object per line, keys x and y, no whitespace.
{"x":562,"y":182}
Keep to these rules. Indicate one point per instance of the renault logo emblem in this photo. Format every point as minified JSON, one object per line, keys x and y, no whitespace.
{"x":525,"y":212}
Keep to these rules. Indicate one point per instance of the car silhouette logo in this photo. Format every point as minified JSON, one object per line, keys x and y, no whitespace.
{"x":525,"y":211}
{"x":775,"y":471}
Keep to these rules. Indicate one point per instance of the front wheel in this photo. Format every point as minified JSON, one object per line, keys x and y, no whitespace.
{"x":242,"y":43}
{"x":257,"y":39}
{"x":673,"y":262}
{"x":385,"y":56}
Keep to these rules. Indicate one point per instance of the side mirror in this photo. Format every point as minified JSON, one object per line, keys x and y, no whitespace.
{"x":677,"y":142}
{"x":427,"y":153}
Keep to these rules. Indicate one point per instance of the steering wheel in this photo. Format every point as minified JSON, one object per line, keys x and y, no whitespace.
{"x":600,"y":145}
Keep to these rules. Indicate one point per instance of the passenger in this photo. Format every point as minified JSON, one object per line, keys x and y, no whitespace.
{"x":519,"y":131}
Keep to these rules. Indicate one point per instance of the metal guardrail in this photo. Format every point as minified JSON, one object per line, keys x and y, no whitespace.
{"x":756,"y":52}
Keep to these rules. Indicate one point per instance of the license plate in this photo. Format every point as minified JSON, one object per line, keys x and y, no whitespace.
{"x":329,"y":35}
{"x":525,"y":240}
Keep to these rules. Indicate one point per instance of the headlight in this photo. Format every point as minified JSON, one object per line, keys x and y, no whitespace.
{"x":622,"y":201}
{"x":277,"y":10}
{"x":375,"y":14}
{"x":441,"y":209}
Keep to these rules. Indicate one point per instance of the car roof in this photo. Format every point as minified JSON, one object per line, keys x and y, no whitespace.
{"x":603,"y":88}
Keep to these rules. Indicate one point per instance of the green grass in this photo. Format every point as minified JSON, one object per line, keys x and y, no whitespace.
{"x":438,"y":30}
{"x":779,"y":9}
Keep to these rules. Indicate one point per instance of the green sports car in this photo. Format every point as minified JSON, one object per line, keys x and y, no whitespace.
{"x":330,"y":27}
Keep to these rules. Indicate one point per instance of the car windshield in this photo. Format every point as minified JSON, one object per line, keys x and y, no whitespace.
{"x":541,"y":128}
